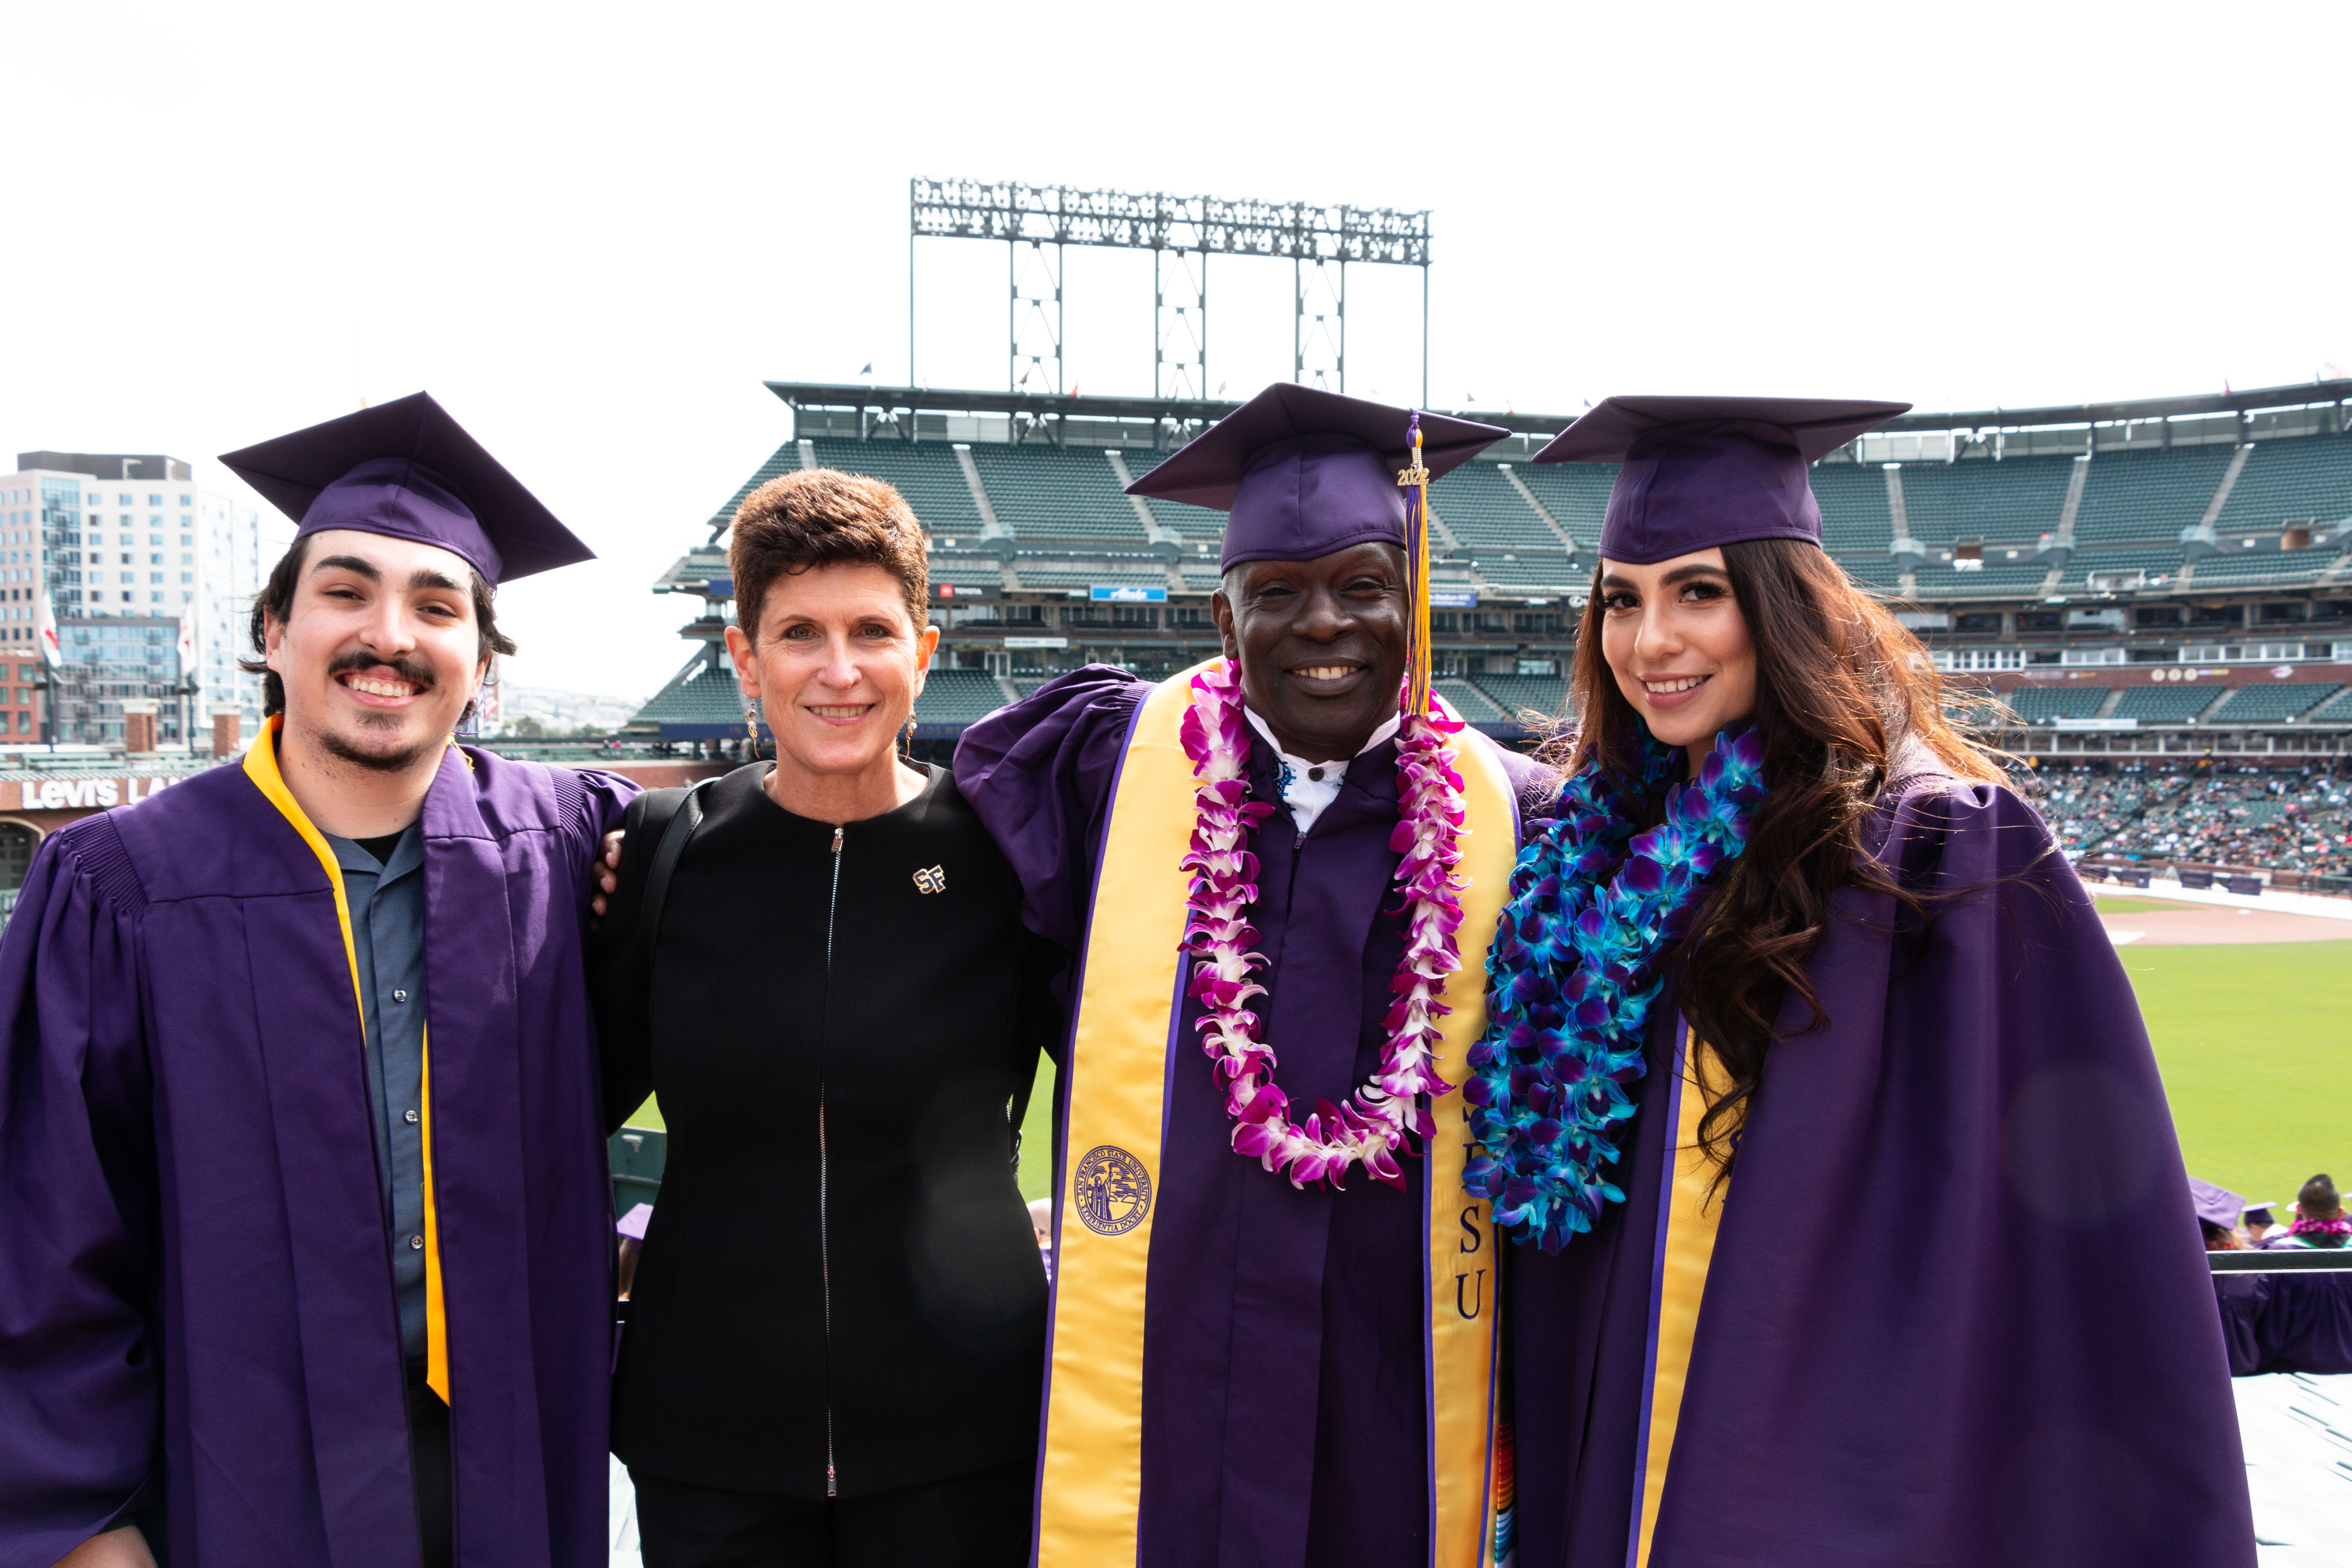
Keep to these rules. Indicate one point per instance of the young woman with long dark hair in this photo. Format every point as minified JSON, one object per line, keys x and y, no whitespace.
{"x":1853,"y":1227}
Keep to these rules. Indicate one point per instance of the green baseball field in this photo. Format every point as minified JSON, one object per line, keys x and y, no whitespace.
{"x":2255,"y":1043}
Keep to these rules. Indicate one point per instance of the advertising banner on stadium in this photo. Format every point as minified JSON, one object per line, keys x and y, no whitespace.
{"x":76,"y":794}
{"x":1127,"y":594}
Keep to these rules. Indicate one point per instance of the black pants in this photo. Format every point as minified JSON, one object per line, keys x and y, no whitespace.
{"x":979,"y":1520}
{"x":429,"y":1459}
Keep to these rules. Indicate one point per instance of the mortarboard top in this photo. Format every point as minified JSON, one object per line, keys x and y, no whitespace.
{"x":2216,"y":1205}
{"x":406,"y":471}
{"x":1305,"y":473}
{"x":633,"y":1224}
{"x":1705,"y":471}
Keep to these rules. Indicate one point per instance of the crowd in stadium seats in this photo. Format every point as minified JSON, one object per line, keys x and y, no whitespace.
{"x":2284,"y":819}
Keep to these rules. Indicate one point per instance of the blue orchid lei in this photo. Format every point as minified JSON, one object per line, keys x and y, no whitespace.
{"x":1572,"y":976}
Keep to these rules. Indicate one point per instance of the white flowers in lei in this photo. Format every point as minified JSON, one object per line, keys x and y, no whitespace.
{"x":1369,"y":1127}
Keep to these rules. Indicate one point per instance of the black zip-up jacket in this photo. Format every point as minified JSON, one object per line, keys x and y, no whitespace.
{"x":840,"y":1292}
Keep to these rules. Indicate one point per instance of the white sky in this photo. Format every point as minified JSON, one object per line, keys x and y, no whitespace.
{"x":593,"y":231}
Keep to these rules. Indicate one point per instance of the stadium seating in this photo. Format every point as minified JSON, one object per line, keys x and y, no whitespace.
{"x":2009,"y":504}
{"x":2291,"y":481}
{"x":960,"y":567}
{"x":1058,"y":493}
{"x":1479,"y":505}
{"x":2178,"y":704}
{"x":2007,"y":580}
{"x":958,"y":697}
{"x":2041,"y":704}
{"x":1068,"y":528}
{"x":1856,"y":519}
{"x":1545,"y":695}
{"x":1470,"y":704}
{"x":786,"y":459}
{"x":925,"y":472}
{"x":1576,"y":494}
{"x":708,"y":696}
{"x":2274,"y":701}
{"x":2148,"y":497}
{"x":2263,"y":567}
{"x":1876,"y":573}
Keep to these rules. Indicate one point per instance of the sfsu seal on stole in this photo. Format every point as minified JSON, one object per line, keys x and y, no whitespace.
{"x":1112,"y":1189}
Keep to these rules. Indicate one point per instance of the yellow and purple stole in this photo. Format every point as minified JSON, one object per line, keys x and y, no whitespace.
{"x":1689,"y":1211}
{"x":261,"y":767}
{"x":1091,"y":1480}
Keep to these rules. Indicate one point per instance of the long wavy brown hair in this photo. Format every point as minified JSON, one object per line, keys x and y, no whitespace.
{"x":1840,"y":685}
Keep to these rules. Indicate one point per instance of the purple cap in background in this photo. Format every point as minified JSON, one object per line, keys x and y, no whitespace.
{"x":406,"y":471}
{"x":2216,"y":1205}
{"x":633,"y":1224}
{"x":1705,"y":471}
{"x":1305,"y":473}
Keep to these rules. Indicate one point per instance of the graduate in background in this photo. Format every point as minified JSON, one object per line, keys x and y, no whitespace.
{"x":1272,"y":1312}
{"x":1854,"y":1227}
{"x":305,"y":1239}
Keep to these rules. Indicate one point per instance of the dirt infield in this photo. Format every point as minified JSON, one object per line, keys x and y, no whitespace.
{"x":2186,"y":924}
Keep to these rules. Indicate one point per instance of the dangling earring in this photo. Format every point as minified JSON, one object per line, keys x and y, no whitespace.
{"x":751,"y":728}
{"x":907,"y":748}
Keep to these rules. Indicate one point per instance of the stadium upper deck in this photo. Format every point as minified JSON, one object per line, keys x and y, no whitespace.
{"x":2118,"y":568}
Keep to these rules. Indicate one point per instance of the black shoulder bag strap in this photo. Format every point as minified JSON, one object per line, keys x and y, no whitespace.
{"x":1018,"y":1112}
{"x":683,"y":821}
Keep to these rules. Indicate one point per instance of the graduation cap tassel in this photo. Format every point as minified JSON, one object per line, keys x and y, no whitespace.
{"x":1415,"y":480}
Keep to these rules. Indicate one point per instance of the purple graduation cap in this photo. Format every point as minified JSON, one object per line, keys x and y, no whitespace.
{"x":1704,"y":471}
{"x":406,"y":471}
{"x":633,"y":1224}
{"x":1305,"y":473}
{"x":2216,"y":1205}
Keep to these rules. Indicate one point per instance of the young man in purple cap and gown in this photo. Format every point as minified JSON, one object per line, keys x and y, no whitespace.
{"x":1861,"y":1235}
{"x":1273,"y":1314}
{"x":305,"y":1241}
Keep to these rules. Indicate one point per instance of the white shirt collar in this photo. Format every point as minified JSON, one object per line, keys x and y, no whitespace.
{"x":1305,"y":794}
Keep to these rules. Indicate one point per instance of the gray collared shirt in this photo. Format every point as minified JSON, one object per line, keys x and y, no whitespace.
{"x":387,"y":905}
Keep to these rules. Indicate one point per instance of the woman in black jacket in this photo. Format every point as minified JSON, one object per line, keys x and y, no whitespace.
{"x":835,"y":1337}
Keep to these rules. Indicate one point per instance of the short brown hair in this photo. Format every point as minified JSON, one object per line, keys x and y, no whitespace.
{"x":823,"y":517}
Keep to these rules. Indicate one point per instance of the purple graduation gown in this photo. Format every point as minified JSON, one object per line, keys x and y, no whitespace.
{"x":1958,"y":1309}
{"x":1284,"y":1398}
{"x":196,"y":1283}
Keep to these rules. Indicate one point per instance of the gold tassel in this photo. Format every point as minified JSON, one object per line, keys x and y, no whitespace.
{"x":1416,"y":479}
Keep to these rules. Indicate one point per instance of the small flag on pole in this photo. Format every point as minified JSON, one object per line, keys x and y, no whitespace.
{"x":45,"y":627}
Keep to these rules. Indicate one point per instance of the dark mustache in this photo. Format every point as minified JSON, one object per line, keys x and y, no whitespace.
{"x":413,"y":670}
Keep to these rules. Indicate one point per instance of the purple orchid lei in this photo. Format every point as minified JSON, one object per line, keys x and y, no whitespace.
{"x":1573,"y":977}
{"x":1368,"y":1129}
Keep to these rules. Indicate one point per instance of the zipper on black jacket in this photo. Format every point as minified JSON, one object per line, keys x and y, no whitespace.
{"x":823,"y":1236}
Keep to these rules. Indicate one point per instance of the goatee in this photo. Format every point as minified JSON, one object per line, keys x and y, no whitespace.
{"x":393,"y":761}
